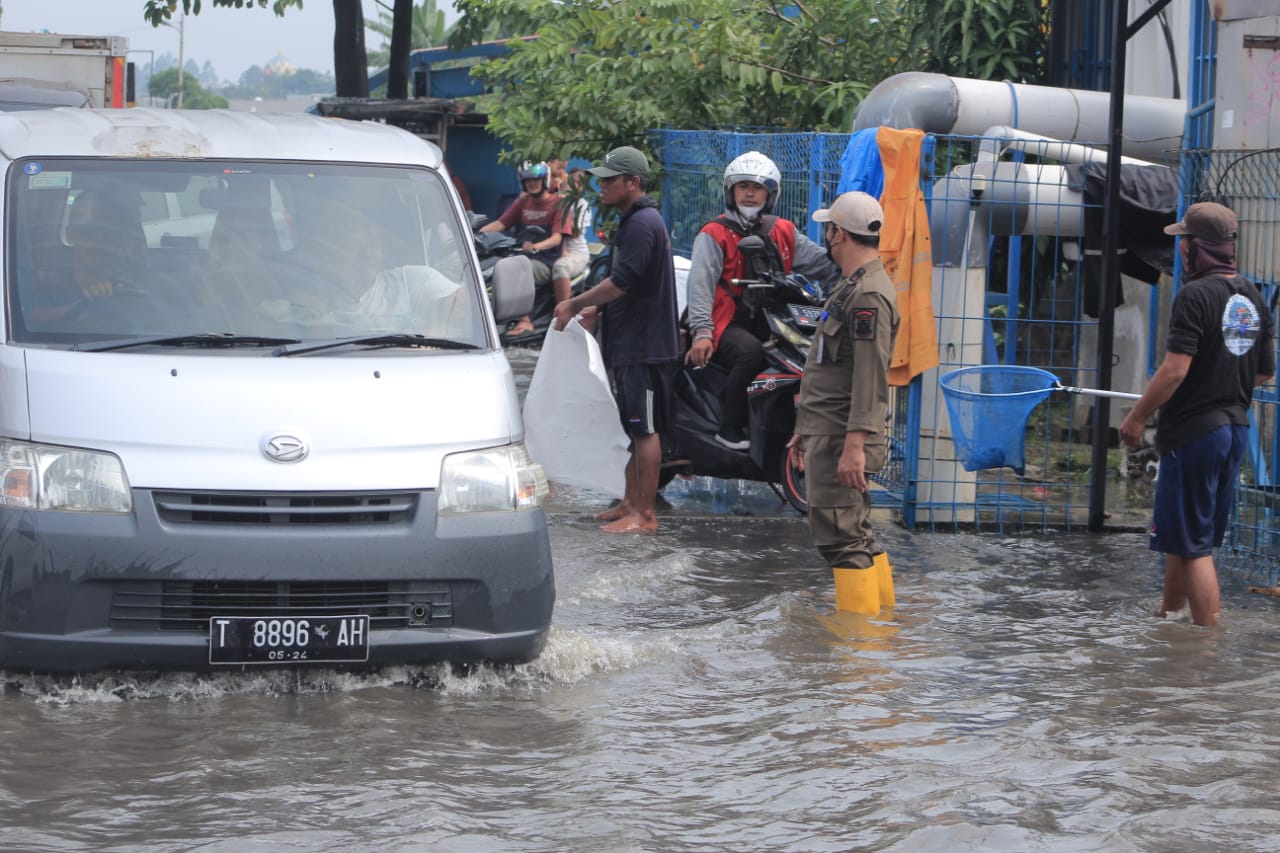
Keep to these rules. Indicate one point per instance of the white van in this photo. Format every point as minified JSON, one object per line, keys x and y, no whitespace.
{"x":253,"y":408}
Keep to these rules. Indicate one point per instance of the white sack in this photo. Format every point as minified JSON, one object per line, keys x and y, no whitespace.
{"x":571,"y":424}
{"x":682,"y":266}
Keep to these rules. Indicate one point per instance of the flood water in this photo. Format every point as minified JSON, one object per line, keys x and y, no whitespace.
{"x":698,"y":693}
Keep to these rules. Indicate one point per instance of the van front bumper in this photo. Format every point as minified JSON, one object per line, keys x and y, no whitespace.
{"x":81,"y":592}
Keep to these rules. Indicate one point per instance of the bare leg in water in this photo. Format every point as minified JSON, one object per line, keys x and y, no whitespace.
{"x":623,"y":508}
{"x":642,"y":488}
{"x":1194,"y":581}
{"x":613,"y":513}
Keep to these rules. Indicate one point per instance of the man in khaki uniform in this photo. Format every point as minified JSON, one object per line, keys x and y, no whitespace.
{"x":844,"y":398}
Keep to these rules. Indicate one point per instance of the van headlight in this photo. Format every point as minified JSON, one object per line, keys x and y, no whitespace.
{"x":42,"y":476}
{"x":499,"y":479}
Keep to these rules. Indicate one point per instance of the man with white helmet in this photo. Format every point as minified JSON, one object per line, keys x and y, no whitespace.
{"x":724,"y":330}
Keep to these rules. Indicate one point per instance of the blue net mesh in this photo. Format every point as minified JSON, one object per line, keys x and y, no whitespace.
{"x":989,"y":406}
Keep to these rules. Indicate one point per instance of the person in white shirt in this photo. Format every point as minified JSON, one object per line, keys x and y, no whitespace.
{"x":574,"y":255}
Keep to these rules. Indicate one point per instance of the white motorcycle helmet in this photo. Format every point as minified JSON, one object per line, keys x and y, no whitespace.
{"x":752,"y":166}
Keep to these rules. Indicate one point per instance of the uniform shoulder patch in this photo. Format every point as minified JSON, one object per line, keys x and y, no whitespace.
{"x":835,"y":304}
{"x":864,"y":324}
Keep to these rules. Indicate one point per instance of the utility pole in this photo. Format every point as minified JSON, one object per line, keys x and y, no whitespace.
{"x":182,"y":56}
{"x":1121,"y":33}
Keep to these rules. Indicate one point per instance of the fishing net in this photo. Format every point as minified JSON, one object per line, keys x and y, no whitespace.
{"x":989,"y":406}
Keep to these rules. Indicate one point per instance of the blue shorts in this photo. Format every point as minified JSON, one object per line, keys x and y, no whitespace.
{"x":1195,"y":490}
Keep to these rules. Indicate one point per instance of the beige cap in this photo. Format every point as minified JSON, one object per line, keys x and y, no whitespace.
{"x":1207,"y":221}
{"x":855,"y":212}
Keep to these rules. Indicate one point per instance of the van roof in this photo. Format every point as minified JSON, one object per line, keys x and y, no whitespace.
{"x":182,"y":134}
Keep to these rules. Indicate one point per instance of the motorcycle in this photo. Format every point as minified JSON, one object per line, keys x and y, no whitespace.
{"x":499,"y":252}
{"x":498,"y":248}
{"x":491,"y":246}
{"x":542,"y":312}
{"x":792,"y":308}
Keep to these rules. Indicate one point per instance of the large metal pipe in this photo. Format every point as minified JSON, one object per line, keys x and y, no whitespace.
{"x":936,"y":103}
{"x":1009,"y":200}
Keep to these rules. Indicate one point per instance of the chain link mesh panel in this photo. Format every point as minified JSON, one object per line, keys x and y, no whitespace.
{"x":1248,"y":182}
{"x":1005,"y":292}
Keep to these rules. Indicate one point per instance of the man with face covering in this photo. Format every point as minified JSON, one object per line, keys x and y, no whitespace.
{"x":1221,"y":345}
{"x":724,"y":329}
{"x":844,"y":396}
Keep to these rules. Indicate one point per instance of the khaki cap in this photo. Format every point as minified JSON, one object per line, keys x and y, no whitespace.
{"x":1207,"y":221}
{"x":855,"y":212}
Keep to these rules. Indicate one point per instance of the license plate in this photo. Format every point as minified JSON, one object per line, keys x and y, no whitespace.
{"x":294,"y":639}
{"x":806,"y":316}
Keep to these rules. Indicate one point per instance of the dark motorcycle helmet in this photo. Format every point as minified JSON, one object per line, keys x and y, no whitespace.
{"x":530,"y":171}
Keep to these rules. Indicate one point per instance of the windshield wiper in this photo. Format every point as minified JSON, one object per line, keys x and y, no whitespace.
{"x":394,"y":340}
{"x":205,"y":339}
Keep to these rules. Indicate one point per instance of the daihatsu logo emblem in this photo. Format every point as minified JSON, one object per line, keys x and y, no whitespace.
{"x":285,"y":448}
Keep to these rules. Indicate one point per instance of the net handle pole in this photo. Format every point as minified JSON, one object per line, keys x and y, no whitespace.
{"x":1098,"y":392}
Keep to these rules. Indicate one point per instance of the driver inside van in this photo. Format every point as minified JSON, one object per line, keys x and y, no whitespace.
{"x":106,"y":239}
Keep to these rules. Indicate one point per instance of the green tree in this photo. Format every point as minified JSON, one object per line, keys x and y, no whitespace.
{"x":602,"y":72}
{"x":428,"y":30}
{"x":255,"y":82}
{"x":605,"y":71}
{"x":164,"y":84}
{"x":982,"y":39}
{"x":157,"y":12}
{"x":349,"y":61}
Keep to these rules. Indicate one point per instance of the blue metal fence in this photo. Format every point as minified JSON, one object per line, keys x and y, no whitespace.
{"x":1249,"y":183}
{"x":1018,"y":298}
{"x":693,"y":163}
{"x":1021,"y":307}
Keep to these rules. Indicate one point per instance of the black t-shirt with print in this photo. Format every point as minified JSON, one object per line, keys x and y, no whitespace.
{"x":1224,"y":325}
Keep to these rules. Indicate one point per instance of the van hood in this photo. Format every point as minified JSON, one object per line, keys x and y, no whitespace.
{"x":182,"y":421}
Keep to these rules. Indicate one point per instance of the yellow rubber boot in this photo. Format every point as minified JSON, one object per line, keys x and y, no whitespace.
{"x":884,"y":574}
{"x":857,"y":590}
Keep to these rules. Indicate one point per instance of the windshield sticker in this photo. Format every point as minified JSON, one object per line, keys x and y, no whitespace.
{"x":40,"y":180}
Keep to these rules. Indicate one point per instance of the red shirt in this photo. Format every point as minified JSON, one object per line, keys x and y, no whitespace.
{"x":527,"y":210}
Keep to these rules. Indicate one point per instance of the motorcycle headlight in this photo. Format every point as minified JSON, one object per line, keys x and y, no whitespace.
{"x":498,"y":479}
{"x":789,"y":334}
{"x":41,"y":476}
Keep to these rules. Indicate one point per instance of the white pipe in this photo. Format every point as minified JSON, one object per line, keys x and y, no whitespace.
{"x":1000,"y":138}
{"x":1052,"y":206}
{"x":936,"y":103}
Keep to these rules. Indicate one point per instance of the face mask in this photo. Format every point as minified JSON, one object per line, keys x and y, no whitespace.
{"x":749,"y":213}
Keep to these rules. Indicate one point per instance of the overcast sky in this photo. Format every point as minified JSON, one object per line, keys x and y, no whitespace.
{"x":232,"y":39}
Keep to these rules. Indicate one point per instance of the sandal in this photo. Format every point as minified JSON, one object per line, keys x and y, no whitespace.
{"x":515,"y":336}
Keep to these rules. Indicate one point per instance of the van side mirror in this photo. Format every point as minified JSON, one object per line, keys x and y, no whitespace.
{"x":512,"y":284}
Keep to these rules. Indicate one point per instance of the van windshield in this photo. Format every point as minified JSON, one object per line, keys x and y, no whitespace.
{"x":103,"y":250}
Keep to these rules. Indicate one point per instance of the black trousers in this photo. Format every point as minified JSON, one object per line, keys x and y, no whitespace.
{"x":741,"y":353}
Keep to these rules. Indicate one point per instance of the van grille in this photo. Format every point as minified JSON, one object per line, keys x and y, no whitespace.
{"x":274,"y":508}
{"x":188,"y":605}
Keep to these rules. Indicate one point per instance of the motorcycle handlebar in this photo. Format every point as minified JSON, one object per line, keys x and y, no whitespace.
{"x":772,"y":281}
